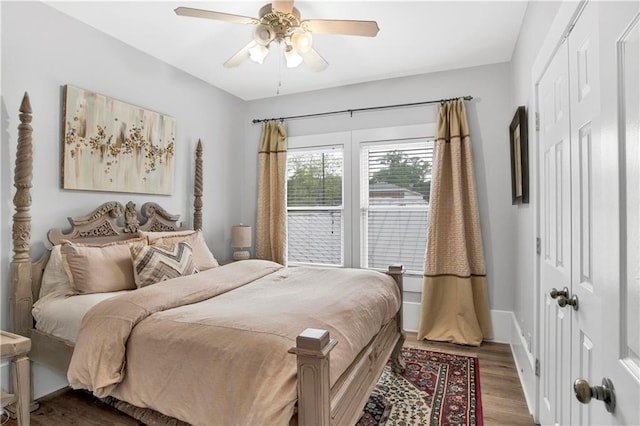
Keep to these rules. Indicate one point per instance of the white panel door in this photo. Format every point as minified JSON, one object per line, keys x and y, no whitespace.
{"x":589,"y":170}
{"x":555,"y":228}
{"x":605,"y":94}
{"x":590,"y":228}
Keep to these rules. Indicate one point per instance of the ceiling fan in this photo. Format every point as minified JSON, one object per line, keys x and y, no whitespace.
{"x":279,"y":21}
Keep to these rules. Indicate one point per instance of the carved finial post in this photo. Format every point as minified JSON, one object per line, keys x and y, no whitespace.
{"x":314,"y":385}
{"x":197,"y":189}
{"x":21,"y":232}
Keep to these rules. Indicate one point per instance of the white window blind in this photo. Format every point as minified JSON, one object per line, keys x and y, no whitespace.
{"x":315,"y":206}
{"x":395,"y":180}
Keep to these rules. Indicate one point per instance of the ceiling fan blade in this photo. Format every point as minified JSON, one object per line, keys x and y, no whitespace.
{"x":314,"y":61}
{"x":241,"y":56}
{"x":282,"y":6}
{"x":332,"y":26}
{"x":208,"y":14}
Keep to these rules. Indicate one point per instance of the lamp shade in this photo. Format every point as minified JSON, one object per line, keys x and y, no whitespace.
{"x":240,"y":236}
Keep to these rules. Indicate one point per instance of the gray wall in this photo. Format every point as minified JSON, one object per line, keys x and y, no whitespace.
{"x":42,"y":50}
{"x":489,"y":116}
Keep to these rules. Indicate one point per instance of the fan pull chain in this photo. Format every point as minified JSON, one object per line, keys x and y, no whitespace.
{"x":281,"y":55}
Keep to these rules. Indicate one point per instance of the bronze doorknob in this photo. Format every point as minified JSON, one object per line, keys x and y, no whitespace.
{"x":571,"y":301}
{"x":555,"y":293}
{"x":584,"y":393}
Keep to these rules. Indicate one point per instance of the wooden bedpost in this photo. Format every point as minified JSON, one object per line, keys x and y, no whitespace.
{"x":314,"y":384}
{"x":396,"y":273}
{"x":21,"y":232}
{"x":197,"y":189}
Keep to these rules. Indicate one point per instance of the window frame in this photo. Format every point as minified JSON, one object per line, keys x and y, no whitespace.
{"x":320,"y":141}
{"x":365,"y":207}
{"x":351,"y":141}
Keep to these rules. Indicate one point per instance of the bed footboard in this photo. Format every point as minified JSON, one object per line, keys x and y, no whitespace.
{"x":321,"y":405}
{"x":314,"y":387}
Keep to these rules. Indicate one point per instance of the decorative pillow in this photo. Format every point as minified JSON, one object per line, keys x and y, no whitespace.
{"x":202,"y":256}
{"x":100,"y":268}
{"x":54,"y":277}
{"x":152,"y":264}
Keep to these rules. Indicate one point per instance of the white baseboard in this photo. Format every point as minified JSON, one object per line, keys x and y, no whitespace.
{"x":501,"y":320}
{"x":46,"y":380}
{"x":502,"y":327}
{"x":525,"y":365}
{"x":411,"y":316}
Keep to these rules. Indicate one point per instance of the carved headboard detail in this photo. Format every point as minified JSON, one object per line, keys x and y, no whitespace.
{"x":112,"y":221}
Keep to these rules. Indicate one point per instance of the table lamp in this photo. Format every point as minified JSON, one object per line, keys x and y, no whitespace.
{"x":241,"y":241}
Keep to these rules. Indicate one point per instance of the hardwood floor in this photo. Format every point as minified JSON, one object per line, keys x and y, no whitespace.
{"x":503,"y":401}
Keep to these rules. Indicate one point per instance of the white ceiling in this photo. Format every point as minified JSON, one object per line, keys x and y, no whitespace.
{"x":415,"y":37}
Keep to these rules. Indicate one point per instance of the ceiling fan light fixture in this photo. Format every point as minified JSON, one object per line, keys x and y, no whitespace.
{"x":292,"y":57}
{"x":279,"y":21}
{"x":302,"y":42}
{"x":258,"y":52}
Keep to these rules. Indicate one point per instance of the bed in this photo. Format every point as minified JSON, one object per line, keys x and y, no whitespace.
{"x":250,"y":342}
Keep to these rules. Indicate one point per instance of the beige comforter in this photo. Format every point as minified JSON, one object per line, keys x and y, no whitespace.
{"x":212,"y":348}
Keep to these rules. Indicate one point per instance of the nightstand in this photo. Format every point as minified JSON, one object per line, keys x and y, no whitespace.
{"x":17,"y":347}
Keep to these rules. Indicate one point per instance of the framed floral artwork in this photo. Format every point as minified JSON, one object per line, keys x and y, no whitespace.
{"x":109,"y":145}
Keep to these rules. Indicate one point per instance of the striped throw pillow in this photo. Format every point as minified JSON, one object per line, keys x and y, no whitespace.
{"x":152,"y":264}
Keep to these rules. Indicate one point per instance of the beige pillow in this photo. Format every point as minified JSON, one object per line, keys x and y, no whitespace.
{"x":55,"y":278}
{"x":152,"y":264}
{"x":100,"y":268}
{"x":202,"y":256}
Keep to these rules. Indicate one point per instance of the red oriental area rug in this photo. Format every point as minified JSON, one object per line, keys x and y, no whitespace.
{"x":435,"y":389}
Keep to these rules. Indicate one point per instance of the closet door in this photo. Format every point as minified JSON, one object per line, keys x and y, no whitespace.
{"x":605,"y":114}
{"x":555,"y":229}
{"x":593,"y":228}
{"x":589,"y":150}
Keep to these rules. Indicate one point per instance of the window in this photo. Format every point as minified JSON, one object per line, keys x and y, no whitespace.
{"x":394,"y":192}
{"x":314,"y":206}
{"x":360,"y":198}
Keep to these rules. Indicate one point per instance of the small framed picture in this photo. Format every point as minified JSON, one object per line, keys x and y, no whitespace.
{"x":519,"y":157}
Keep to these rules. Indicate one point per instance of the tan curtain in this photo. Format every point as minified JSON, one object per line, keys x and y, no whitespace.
{"x":454,"y":295}
{"x":271,"y":223}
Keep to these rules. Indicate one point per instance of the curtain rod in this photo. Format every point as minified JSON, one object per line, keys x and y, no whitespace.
{"x":351,"y":111}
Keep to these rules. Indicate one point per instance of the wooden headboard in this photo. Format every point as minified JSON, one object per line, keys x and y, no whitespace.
{"x":110,"y":221}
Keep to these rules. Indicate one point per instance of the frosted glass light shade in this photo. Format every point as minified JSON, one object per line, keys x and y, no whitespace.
{"x":258,"y":52}
{"x":292,"y":57}
{"x":302,"y":42}
{"x":263,"y":34}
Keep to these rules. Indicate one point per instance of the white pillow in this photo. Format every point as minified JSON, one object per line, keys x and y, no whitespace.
{"x":55,"y":278}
